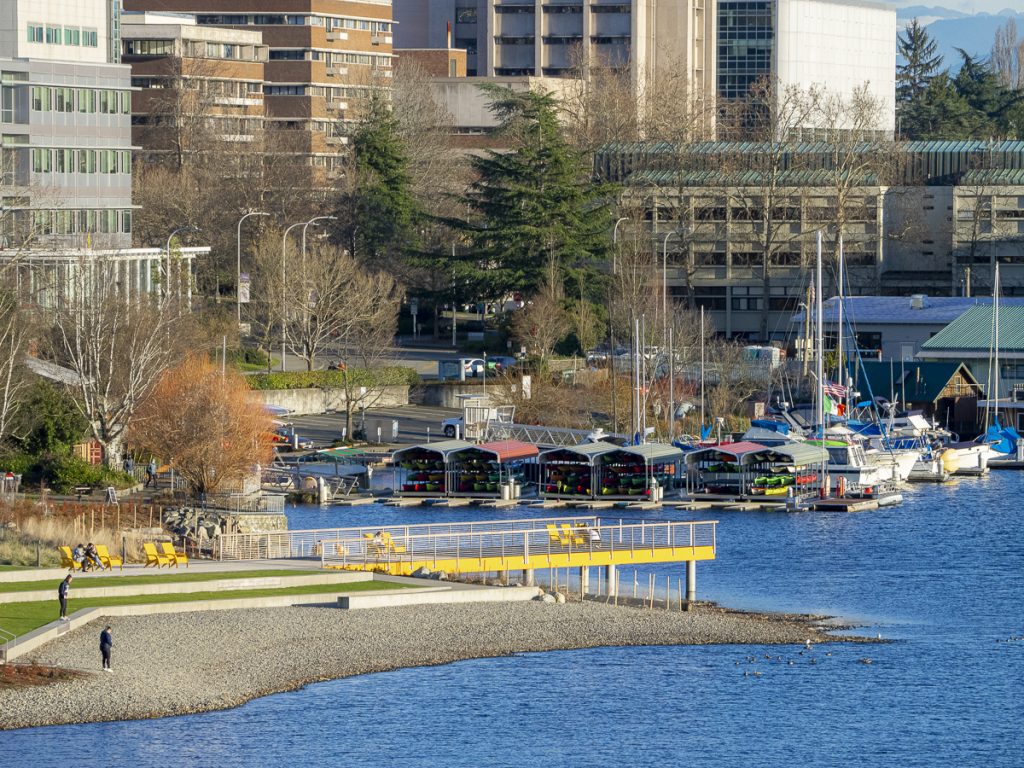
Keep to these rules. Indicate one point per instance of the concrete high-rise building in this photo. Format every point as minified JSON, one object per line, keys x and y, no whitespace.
{"x":323,"y":57}
{"x":838,"y":45}
{"x":553,"y":38}
{"x":65,"y":126}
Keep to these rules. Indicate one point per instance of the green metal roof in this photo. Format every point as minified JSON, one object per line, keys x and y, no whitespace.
{"x":797,"y":178}
{"x":802,"y":454}
{"x":654,"y":452}
{"x":1003,"y":177}
{"x":586,"y":450}
{"x":972,"y":332}
{"x":444,"y":447}
{"x":910,"y":382}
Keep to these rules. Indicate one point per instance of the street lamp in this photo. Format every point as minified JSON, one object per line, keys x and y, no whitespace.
{"x":615,"y":242}
{"x":238,"y":274}
{"x":312,"y":221}
{"x":664,"y":284}
{"x":167,"y":276}
{"x":284,"y":299}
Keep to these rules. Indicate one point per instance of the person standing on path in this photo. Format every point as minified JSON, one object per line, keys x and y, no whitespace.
{"x":106,"y":643}
{"x":62,"y":595}
{"x":151,"y":473}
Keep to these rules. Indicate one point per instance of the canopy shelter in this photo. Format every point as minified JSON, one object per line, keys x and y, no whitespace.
{"x":481,"y":470}
{"x":636,"y":470}
{"x":344,"y":455}
{"x":421,"y":469}
{"x":572,"y":472}
{"x":751,"y":469}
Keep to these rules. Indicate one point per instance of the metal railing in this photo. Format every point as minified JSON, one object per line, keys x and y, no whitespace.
{"x":521,"y":544}
{"x":307,"y":543}
{"x":7,"y":638}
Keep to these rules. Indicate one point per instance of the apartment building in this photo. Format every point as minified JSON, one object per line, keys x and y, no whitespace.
{"x":555,"y":38}
{"x":195,"y":83}
{"x":322,"y":58}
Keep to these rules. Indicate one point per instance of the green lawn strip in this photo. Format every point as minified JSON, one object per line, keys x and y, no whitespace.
{"x":17,"y":567}
{"x":20,"y":618}
{"x":161,"y":578}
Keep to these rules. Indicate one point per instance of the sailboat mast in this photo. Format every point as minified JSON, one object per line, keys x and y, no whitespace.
{"x":702,"y":368}
{"x":819,"y":362}
{"x":840,"y":369}
{"x":997,"y":377}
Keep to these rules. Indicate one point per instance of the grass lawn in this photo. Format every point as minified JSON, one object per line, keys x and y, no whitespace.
{"x":163,"y":577}
{"x":20,"y":618}
{"x":17,"y":567}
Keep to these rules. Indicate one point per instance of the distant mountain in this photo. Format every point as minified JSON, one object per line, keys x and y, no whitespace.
{"x":953,"y":29}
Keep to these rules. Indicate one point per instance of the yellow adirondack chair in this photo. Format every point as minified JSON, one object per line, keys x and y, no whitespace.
{"x":108,"y":560}
{"x":155,"y":558}
{"x":391,"y":544}
{"x":66,"y":561}
{"x":555,"y":536}
{"x":572,"y":536}
{"x":178,"y":558}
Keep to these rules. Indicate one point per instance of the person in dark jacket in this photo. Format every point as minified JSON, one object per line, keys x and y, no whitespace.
{"x":106,"y":643}
{"x":62,"y":595}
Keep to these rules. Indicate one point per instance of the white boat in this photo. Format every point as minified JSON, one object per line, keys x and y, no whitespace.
{"x":848,"y":461}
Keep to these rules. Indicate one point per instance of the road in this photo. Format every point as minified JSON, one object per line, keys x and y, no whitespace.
{"x":413,"y":423}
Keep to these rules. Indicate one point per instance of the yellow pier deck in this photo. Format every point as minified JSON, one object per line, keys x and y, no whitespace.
{"x":508,"y":545}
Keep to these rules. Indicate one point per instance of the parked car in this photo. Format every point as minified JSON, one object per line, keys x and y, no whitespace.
{"x":452,"y":427}
{"x":289,"y":437}
{"x":474,"y":367}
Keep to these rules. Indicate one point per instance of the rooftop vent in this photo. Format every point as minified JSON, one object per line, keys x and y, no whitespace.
{"x":918,"y":301}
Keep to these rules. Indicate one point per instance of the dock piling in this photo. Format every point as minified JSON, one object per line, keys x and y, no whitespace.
{"x":691,"y":581}
{"x":611,"y":581}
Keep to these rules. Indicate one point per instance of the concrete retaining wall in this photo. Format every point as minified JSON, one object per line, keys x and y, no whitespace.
{"x":436,"y":597}
{"x":179,"y":587}
{"x":443,"y":394}
{"x":316,"y":400}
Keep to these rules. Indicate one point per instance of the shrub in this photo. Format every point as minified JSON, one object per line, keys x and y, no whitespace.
{"x":389,"y":376}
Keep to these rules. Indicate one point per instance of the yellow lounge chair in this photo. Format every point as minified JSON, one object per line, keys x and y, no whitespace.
{"x":391,"y":544}
{"x":374,"y":545}
{"x":155,"y":558}
{"x":108,"y":560}
{"x":178,"y":558}
{"x":570,"y":535}
{"x":66,"y":561}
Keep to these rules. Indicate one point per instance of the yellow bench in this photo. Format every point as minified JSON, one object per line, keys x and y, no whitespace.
{"x":177,"y":558}
{"x":66,"y":561}
{"x":155,"y":558}
{"x":108,"y":560}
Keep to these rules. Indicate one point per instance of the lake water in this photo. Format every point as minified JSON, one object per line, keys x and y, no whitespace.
{"x":940,"y":574}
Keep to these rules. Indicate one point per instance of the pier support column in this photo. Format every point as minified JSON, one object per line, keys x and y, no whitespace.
{"x":584,"y":580}
{"x":691,"y":581}
{"x":609,"y":580}
{"x":528,"y":579}
{"x":503,"y":578}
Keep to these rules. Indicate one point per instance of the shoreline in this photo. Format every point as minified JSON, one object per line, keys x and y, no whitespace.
{"x":178,"y":664}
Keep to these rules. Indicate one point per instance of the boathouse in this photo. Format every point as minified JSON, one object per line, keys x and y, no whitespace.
{"x":572,"y":472}
{"x":638,"y":471}
{"x":421,"y":469}
{"x":482,"y":471}
{"x":746,"y":470}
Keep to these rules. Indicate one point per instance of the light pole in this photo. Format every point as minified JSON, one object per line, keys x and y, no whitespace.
{"x":664,"y":284}
{"x":238,"y":273}
{"x":304,"y":226}
{"x":167,"y":275}
{"x":615,"y":242}
{"x":284,"y":299}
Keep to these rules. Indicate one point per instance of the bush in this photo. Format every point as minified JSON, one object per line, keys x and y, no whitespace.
{"x":62,"y":473}
{"x":389,"y":376}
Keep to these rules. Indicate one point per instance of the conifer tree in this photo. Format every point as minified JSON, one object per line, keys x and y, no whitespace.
{"x":535,"y":216}
{"x":918,"y":50}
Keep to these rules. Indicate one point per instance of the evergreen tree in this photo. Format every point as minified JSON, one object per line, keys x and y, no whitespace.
{"x":535,"y":215}
{"x":918,"y":50}
{"x":940,"y":113}
{"x":992,"y":102}
{"x":378,"y":214}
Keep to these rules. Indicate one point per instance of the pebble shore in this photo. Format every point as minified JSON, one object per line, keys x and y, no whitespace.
{"x":172,"y":664}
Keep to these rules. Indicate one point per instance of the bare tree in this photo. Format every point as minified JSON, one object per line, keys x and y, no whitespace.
{"x":207,"y":422}
{"x":14,"y":340}
{"x":543,"y":322}
{"x":1008,"y":56}
{"x":117,"y":347}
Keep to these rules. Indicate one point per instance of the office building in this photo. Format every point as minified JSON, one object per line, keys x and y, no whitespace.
{"x":838,"y":45}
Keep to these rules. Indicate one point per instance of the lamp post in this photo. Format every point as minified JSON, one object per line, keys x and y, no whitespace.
{"x":664,"y":284}
{"x":238,"y":273}
{"x":284,"y":299}
{"x":314,"y":220}
{"x":167,"y":275}
{"x":615,"y":242}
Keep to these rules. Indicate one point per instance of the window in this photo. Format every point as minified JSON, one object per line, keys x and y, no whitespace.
{"x":287,"y":54}
{"x":87,"y":161}
{"x":90,"y":38}
{"x":72,"y":36}
{"x":126,"y":161}
{"x":35,"y":33}
{"x":453,"y":68}
{"x":53,"y":35}
{"x":223,"y":19}
{"x":40,"y":99}
{"x":87,"y":101}
{"x":465,"y":15}
{"x":148,"y":47}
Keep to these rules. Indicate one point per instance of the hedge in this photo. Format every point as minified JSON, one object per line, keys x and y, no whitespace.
{"x":389,"y":376}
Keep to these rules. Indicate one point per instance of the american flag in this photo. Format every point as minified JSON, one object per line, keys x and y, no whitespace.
{"x":833,"y":390}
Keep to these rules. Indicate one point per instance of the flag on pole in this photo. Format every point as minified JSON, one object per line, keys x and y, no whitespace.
{"x":837,"y":391}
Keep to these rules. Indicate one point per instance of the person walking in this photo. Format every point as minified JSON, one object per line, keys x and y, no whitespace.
{"x":106,"y":643}
{"x":151,"y":473}
{"x":62,"y":595}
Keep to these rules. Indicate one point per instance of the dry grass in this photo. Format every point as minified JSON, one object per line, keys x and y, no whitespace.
{"x":24,"y":525}
{"x":28,"y":675}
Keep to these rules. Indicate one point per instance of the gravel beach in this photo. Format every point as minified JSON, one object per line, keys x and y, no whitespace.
{"x":172,"y":664}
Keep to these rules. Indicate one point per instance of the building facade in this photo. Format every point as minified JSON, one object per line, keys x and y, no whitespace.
{"x":65,"y":126}
{"x":944,"y":217}
{"x":194,"y":83}
{"x":323,"y":58}
{"x":838,"y":45}
{"x":541,"y":38}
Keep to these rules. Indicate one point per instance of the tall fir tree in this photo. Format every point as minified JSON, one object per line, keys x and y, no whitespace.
{"x":922,"y":62}
{"x":535,"y":215}
{"x":378,"y":212}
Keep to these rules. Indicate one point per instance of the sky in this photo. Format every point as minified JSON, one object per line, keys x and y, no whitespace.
{"x":965,"y":6}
